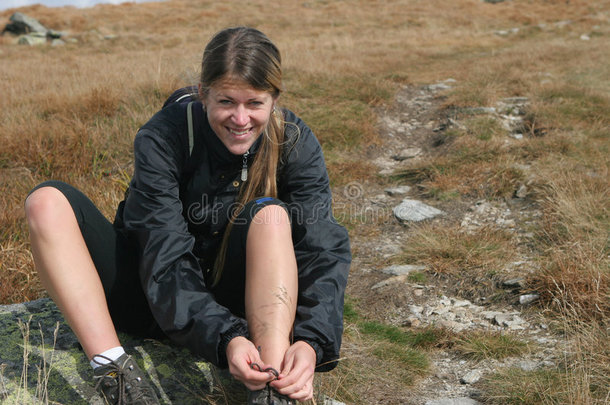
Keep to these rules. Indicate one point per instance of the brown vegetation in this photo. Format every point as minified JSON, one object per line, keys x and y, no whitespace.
{"x":71,"y":112}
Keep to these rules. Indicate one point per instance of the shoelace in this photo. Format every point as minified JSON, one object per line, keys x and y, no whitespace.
{"x":116,"y":372}
{"x":271,"y":370}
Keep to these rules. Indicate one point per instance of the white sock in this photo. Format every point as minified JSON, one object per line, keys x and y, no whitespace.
{"x":112,"y":354}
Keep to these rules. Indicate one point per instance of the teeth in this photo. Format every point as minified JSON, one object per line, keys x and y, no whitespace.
{"x":234,"y":132}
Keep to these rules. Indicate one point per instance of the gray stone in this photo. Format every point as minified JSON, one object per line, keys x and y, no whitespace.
{"x":415,"y":211}
{"x":32,"y":39}
{"x":23,"y":24}
{"x":460,"y":303}
{"x":471,"y":377}
{"x":453,"y":401}
{"x":398,"y":270}
{"x":397,"y":190}
{"x":514,"y":283}
{"x":479,"y":110}
{"x":444,"y":85}
{"x":522,"y":191}
{"x":178,"y":376}
{"x":408,"y":153}
{"x":390,"y":281}
{"x":330,"y":401}
{"x":528,"y":365}
{"x":416,"y":309}
{"x":451,"y":325}
{"x":527,"y":299}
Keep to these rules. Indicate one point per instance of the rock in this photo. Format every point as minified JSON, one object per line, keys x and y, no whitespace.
{"x":412,"y":322}
{"x":472,"y":377}
{"x":330,"y":401}
{"x":416,"y":309}
{"x":510,"y":321}
{"x":493,"y":1}
{"x":527,"y":299}
{"x":398,"y":270}
{"x":415,"y":211}
{"x":528,"y":365}
{"x":397,"y":190}
{"x":22,"y":24}
{"x":479,"y":110}
{"x":35,"y":38}
{"x":460,"y":303}
{"x":452,"y":401}
{"x":585,"y":37}
{"x":55,"y":34}
{"x":522,"y":191}
{"x":408,"y":153}
{"x":177,"y":375}
{"x":514,"y":283}
{"x":390,"y":281}
{"x":444,"y":85}
{"x":451,"y":325}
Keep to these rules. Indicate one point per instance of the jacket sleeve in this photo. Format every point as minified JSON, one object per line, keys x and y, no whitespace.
{"x":321,"y":247}
{"x":169,"y":272}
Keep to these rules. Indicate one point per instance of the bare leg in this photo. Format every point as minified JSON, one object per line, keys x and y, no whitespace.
{"x":271,"y":283}
{"x":67,"y":270}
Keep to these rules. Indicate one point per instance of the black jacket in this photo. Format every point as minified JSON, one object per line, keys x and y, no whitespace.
{"x":171,"y":211}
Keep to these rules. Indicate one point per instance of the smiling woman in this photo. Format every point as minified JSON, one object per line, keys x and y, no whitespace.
{"x":6,"y":4}
{"x":225,"y":242}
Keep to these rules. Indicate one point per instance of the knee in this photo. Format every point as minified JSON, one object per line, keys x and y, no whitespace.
{"x":44,"y":208}
{"x":273,"y":216}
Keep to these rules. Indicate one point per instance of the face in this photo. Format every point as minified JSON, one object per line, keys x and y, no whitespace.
{"x":237,"y":113}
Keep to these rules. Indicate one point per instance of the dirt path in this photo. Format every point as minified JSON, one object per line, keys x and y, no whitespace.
{"x":411,"y":130}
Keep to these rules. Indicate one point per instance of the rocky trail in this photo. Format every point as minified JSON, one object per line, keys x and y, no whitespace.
{"x":411,"y":130}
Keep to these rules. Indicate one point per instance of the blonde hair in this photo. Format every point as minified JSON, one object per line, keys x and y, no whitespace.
{"x":246,"y":54}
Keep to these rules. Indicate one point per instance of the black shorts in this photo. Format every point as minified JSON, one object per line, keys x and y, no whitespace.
{"x":116,"y":261}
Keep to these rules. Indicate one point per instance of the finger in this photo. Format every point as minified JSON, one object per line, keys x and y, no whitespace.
{"x":288,"y":365}
{"x":296,"y":379}
{"x":303,"y":395}
{"x":256,"y":380}
{"x":288,"y":387}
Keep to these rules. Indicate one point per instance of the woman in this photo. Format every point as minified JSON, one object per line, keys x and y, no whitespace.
{"x":225,"y":242}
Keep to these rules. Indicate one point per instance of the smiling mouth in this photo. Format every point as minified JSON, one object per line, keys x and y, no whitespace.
{"x":239,"y":133}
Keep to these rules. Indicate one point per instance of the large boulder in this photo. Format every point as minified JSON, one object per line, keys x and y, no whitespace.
{"x":39,"y":353}
{"x":22,"y":24}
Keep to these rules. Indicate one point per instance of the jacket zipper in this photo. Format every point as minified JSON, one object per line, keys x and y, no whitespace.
{"x":244,"y":166}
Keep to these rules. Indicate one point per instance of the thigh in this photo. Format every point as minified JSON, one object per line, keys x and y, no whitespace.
{"x":115,"y":260}
{"x":230,"y":290}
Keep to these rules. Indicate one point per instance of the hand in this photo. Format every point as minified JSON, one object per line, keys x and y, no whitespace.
{"x":296,"y":378}
{"x":241,"y":353}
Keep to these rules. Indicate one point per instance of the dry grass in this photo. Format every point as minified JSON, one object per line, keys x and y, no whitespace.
{"x":486,"y":345}
{"x":71,"y":112}
{"x":475,"y":261}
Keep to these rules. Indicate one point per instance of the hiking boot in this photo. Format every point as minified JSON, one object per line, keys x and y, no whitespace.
{"x":268,"y":396}
{"x":122,"y":382}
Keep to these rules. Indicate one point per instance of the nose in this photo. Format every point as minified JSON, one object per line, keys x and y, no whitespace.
{"x":240,"y":116}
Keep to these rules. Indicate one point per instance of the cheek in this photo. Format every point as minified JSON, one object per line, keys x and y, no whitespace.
{"x":215,"y":119}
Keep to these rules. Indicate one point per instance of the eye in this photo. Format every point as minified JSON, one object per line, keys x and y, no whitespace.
{"x":225,"y":102}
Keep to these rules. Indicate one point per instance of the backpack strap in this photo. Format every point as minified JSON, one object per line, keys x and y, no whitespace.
{"x":189,"y":119}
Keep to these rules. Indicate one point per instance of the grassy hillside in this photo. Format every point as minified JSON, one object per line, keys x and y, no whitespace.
{"x":71,"y":113}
